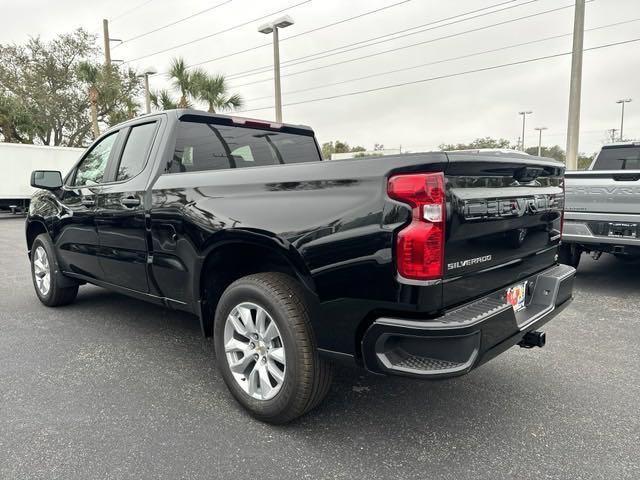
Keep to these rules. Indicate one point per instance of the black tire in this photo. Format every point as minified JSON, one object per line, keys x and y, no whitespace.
{"x":569,"y":254}
{"x":62,"y":290}
{"x":308,"y":377}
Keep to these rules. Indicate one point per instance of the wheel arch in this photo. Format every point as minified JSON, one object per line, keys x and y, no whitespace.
{"x":239,"y":254}
{"x":33,"y":229}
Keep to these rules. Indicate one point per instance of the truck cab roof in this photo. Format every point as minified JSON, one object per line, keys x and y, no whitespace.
{"x":622,"y":144}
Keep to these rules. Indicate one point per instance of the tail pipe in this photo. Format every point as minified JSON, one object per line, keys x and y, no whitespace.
{"x":533,"y":339}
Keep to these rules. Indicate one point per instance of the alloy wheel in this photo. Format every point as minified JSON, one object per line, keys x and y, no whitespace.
{"x":255,"y":351}
{"x":42,"y":271}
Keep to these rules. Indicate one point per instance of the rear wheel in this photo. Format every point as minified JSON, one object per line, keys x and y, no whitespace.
{"x":47,"y":279}
{"x":265,"y":348}
{"x":569,"y":254}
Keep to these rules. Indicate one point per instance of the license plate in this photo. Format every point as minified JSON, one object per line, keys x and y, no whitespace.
{"x":517,"y":295}
{"x":623,"y":230}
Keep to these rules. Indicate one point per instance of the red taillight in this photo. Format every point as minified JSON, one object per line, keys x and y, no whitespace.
{"x":420,"y":245}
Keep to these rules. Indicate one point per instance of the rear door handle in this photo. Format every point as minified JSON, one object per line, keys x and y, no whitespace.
{"x":130,"y":202}
{"x":88,"y":202}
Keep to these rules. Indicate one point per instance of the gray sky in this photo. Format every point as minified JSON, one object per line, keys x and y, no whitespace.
{"x":419,"y":116}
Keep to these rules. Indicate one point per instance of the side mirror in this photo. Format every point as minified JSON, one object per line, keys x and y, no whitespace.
{"x":46,"y":179}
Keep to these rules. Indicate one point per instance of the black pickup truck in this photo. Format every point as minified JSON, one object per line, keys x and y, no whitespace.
{"x":424,"y":265}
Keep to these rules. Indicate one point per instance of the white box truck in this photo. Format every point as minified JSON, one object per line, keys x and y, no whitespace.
{"x":18,"y":160}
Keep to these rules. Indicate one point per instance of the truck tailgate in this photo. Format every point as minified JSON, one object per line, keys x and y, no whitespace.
{"x":603,"y":191}
{"x":503,"y":221}
{"x":603,"y":207}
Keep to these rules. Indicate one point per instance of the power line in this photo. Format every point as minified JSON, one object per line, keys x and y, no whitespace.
{"x":327,"y":53}
{"x":218,"y":32}
{"x":268,"y":44}
{"x":436,"y":62}
{"x":127,"y":12}
{"x":172,"y":23}
{"x":440,"y":77}
{"x":339,"y":22}
{"x":424,"y":42}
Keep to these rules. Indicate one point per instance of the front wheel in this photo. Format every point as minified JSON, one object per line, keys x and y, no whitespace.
{"x":47,"y":279}
{"x":569,"y":254}
{"x":265,"y":348}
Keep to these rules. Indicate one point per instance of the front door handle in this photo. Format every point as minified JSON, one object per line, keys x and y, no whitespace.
{"x":88,"y":202}
{"x":130,"y":202}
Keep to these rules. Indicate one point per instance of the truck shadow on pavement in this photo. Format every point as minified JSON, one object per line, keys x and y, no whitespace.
{"x":509,"y":386}
{"x":609,"y":275}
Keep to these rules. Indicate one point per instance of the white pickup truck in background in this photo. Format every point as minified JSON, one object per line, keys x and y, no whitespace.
{"x":602,"y":210}
{"x":18,"y":160}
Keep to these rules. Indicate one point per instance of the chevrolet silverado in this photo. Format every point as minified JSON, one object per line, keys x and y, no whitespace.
{"x":603,"y":206}
{"x":424,"y":265}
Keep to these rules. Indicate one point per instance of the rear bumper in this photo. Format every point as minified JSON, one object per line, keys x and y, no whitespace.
{"x":581,"y":233}
{"x":467,"y":336}
{"x":594,"y":228}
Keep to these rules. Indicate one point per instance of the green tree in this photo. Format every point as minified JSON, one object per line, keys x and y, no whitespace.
{"x":486,"y":142}
{"x":16,"y":122}
{"x":584,"y":161}
{"x":556,"y":152}
{"x":90,"y":74}
{"x":213,"y":90}
{"x":161,"y":100}
{"x":338,"y":146}
{"x":45,"y":99}
{"x":185,"y":81}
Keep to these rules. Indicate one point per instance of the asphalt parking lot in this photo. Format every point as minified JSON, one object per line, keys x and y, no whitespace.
{"x":112,"y":387}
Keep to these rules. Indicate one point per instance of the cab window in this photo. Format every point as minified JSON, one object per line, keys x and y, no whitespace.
{"x":205,"y":146}
{"x":136,"y":150}
{"x":91,"y":169}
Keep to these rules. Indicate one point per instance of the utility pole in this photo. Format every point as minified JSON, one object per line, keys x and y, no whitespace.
{"x":575,"y":87}
{"x":540,"y":129}
{"x":524,"y":118}
{"x":622,"y":101}
{"x":273,"y":27}
{"x":107,"y":42}
{"x":612,"y":132}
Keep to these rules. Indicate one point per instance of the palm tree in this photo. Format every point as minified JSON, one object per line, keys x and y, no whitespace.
{"x":184,"y":80}
{"x":90,"y":74}
{"x":132,"y":107}
{"x":161,"y":100}
{"x":212,"y":89}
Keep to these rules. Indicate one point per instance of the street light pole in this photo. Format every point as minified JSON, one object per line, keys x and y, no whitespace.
{"x":147,"y":93}
{"x":540,"y":129}
{"x":276,"y":74}
{"x":622,"y":101}
{"x":524,"y":117}
{"x":273,"y":27}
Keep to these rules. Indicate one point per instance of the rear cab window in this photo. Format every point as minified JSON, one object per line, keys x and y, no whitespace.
{"x":623,"y":157}
{"x":207,"y":146}
{"x":136,"y":150}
